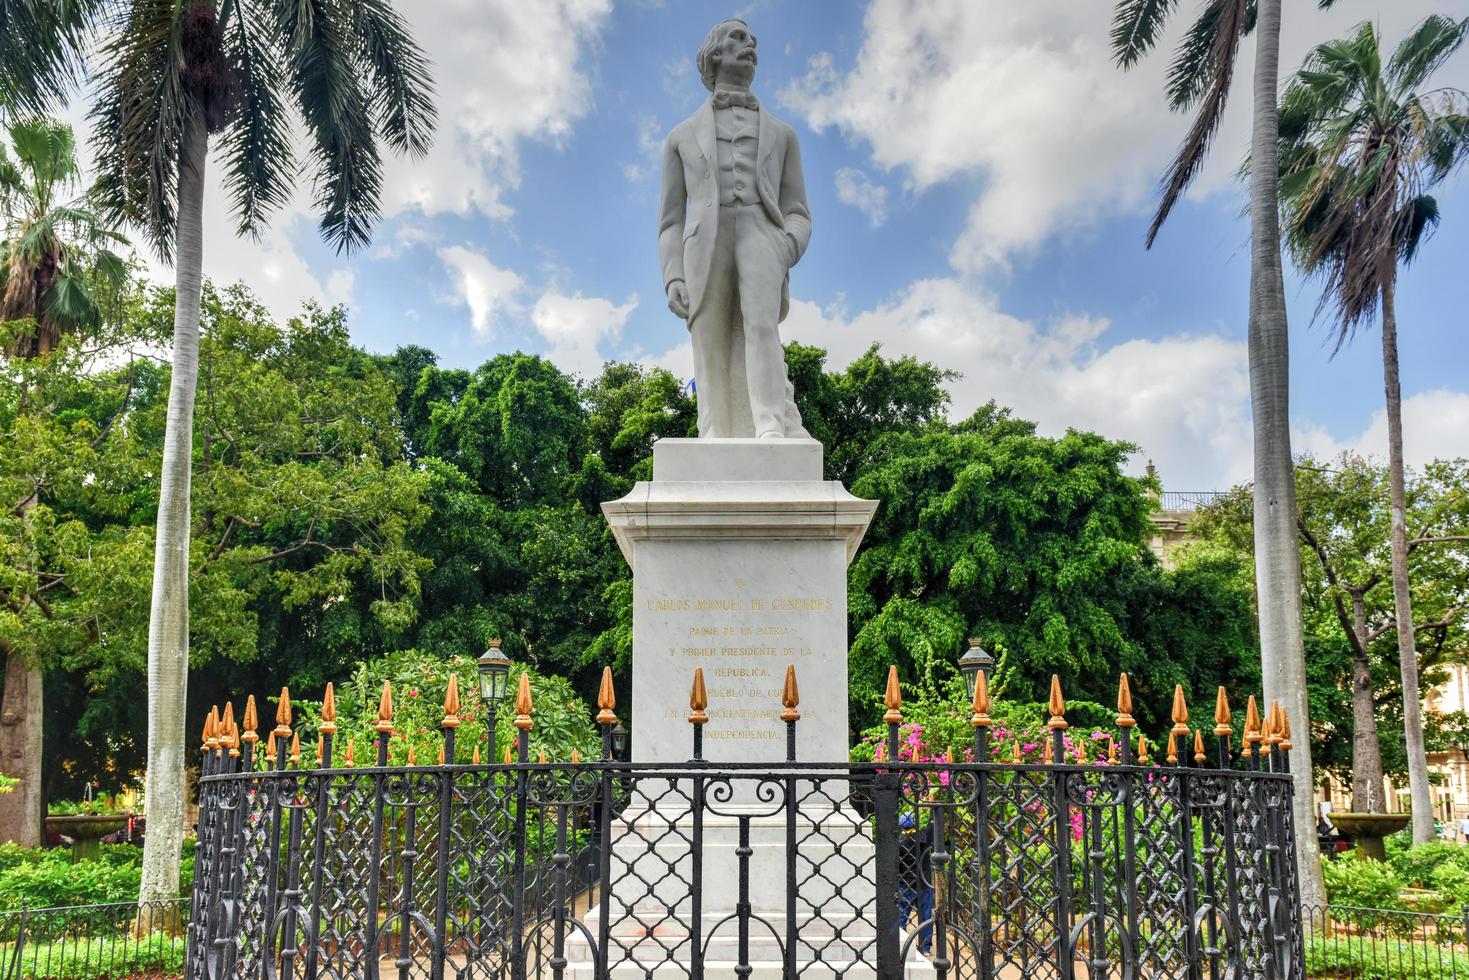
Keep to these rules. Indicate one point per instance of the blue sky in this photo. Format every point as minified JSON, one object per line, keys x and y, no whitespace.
{"x":980,"y":179}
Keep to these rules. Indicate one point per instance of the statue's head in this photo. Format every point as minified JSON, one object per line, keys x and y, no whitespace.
{"x":728,"y":54}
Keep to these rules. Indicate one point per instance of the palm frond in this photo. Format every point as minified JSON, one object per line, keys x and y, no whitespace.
{"x":1420,"y":53}
{"x":401,"y":78}
{"x":1419,"y":220}
{"x":41,"y":48}
{"x":1191,"y":70}
{"x":1228,"y":24}
{"x":139,"y":120}
{"x":70,"y":305}
{"x":257,"y":141}
{"x":323,"y":77}
{"x":1136,"y":26}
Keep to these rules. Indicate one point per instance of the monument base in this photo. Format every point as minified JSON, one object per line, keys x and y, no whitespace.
{"x":739,"y":551}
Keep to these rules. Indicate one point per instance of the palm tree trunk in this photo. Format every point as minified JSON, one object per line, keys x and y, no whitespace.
{"x":168,"y":627}
{"x":1418,"y":787}
{"x":1366,"y":749}
{"x":1277,"y":558}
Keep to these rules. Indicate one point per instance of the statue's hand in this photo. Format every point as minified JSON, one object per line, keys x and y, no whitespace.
{"x":678,"y":299}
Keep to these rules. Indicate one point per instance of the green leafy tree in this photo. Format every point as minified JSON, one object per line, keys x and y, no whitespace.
{"x":170,"y":77}
{"x":54,"y":266}
{"x":1199,"y":79}
{"x":1345,"y":547}
{"x":1361,"y":144}
{"x":303,"y":510}
{"x":1036,"y":545}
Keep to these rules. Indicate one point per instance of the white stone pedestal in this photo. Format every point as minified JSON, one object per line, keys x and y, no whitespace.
{"x":739,"y":551}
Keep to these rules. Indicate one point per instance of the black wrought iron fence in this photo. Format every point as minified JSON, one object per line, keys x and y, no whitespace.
{"x":92,"y":942}
{"x":1114,"y":866}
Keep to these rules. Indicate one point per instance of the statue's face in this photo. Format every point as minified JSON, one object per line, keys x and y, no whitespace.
{"x":735,"y":53}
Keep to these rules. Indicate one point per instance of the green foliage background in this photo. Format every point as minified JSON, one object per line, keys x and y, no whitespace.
{"x":359,"y":517}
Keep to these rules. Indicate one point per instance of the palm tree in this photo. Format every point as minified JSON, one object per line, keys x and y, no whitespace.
{"x":1199,"y":78}
{"x":53,"y":247}
{"x":171,"y":76}
{"x":53,"y":255}
{"x":1360,"y":145}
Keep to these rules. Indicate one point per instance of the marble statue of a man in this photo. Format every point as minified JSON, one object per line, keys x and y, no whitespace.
{"x":733,"y":221}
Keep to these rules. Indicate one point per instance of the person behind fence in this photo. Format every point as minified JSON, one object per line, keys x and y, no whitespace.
{"x":915,"y":878}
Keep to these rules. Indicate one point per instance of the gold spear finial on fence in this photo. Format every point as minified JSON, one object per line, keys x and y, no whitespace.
{"x":234,"y":734}
{"x":349,"y":758}
{"x":698,"y":699}
{"x":892,"y":698}
{"x":981,"y":703}
{"x":1124,"y":703}
{"x":209,"y":735}
{"x":227,"y":725}
{"x":1222,"y":725}
{"x":251,"y":722}
{"x":1142,"y":749}
{"x":451,"y":704}
{"x":270,"y":751}
{"x":1271,"y":729}
{"x":441,"y":752}
{"x":606,"y":699}
{"x":1057,"y":706}
{"x":385,"y":709}
{"x":790,"y":696}
{"x":295,"y":756}
{"x":1048,"y":754}
{"x":1199,"y":755}
{"x":1277,"y":722}
{"x":1285,"y":730}
{"x":523,"y":705}
{"x":328,"y":711}
{"x":474,"y":756}
{"x":507,"y":755}
{"x":1112,"y":750}
{"x":1172,"y":757}
{"x":1180,"y":714}
{"x":216,"y":733}
{"x":283,"y":715}
{"x":575,"y":756}
{"x":1252,"y":734}
{"x":543,"y":755}
{"x":320,"y":750}
{"x":1015,"y":755}
{"x":412,"y":755}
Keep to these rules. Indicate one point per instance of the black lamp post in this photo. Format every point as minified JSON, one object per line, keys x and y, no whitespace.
{"x":494,"y":670}
{"x":975,"y":661}
{"x":619,"y":741}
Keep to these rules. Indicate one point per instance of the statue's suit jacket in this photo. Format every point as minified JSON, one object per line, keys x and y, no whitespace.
{"x":689,"y":213}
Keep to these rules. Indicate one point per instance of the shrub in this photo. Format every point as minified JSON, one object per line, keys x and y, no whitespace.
{"x":1381,"y":959}
{"x":1353,"y":884}
{"x":156,"y":954}
{"x":1415,"y":864}
{"x":48,"y":879}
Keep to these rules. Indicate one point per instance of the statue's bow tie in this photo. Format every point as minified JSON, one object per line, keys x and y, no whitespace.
{"x":725,"y":99}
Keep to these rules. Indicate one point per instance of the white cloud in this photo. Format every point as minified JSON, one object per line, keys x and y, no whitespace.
{"x":506,"y":71}
{"x":1025,"y":96}
{"x":340,"y":286}
{"x":485,"y":288}
{"x":1183,"y":400}
{"x":1435,"y":426}
{"x":650,"y":146}
{"x":406,"y":235}
{"x":576,"y":326}
{"x":857,"y":189}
